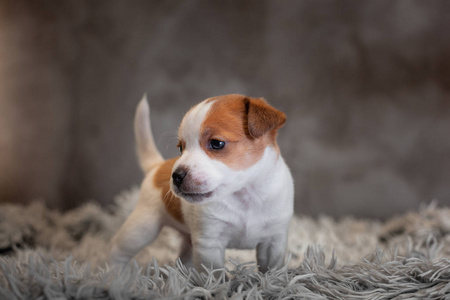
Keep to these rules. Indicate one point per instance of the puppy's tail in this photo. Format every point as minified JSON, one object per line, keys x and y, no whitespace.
{"x":148,"y":154}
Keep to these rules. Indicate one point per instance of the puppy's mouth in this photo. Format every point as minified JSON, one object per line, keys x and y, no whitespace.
{"x":194,"y":197}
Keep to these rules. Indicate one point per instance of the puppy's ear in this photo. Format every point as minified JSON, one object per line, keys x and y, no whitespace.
{"x":261,"y":117}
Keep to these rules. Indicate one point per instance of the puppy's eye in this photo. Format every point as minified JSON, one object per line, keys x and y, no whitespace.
{"x":216,"y":144}
{"x":180,"y":146}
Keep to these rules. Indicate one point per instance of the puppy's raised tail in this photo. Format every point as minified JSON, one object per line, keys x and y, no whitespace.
{"x":148,"y":154}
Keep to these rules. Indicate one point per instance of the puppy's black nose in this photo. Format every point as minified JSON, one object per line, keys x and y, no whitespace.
{"x":178,"y":176}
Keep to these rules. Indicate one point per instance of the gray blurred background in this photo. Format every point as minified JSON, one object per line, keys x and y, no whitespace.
{"x":365,"y":85}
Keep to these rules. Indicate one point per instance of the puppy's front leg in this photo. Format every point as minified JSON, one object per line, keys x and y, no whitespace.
{"x":186,"y":251}
{"x":209,"y":252}
{"x":270,"y":253}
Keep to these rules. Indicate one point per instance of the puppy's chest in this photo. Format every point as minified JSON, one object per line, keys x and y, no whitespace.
{"x":245,"y":221}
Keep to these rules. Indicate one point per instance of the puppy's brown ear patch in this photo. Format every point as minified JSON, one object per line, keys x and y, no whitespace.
{"x":261,"y":117}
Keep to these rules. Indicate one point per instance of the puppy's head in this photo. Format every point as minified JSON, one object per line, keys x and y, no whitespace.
{"x":220,"y":140}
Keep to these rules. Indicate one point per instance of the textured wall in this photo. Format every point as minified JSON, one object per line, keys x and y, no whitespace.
{"x":365,"y":85}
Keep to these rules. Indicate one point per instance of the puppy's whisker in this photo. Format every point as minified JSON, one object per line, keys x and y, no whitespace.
{"x":168,"y":140}
{"x":167,"y":196}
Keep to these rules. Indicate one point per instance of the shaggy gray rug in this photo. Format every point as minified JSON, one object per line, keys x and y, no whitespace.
{"x":48,"y":255}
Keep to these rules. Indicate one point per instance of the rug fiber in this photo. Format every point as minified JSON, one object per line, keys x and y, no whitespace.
{"x":45,"y":254}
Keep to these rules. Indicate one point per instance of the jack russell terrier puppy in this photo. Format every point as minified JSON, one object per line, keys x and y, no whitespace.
{"x":230,"y":188}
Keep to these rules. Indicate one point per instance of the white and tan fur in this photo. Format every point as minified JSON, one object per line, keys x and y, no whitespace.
{"x":238,"y":196}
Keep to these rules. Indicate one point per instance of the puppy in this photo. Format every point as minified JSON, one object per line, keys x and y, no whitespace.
{"x":229,"y":188}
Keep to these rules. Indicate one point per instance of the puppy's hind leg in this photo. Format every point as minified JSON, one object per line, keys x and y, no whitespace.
{"x":140,"y":229}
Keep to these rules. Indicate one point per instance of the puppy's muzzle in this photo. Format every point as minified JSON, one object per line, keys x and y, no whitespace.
{"x":188,"y":187}
{"x":178,"y":176}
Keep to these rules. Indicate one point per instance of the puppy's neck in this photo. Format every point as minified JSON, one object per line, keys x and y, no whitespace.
{"x":267,"y":163}
{"x":259,"y":177}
